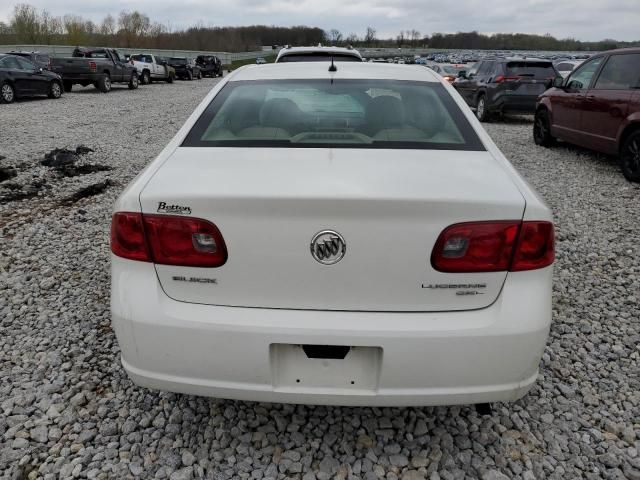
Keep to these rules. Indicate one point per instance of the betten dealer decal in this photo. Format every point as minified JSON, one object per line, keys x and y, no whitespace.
{"x":164,"y":208}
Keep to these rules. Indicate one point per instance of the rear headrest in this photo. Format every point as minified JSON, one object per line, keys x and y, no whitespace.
{"x":425,"y":115}
{"x":384,"y":112}
{"x":280,"y":113}
{"x":245,"y":113}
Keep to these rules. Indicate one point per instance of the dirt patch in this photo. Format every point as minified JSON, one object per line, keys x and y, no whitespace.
{"x":90,"y":191}
{"x":76,"y":170}
{"x":6,"y":173}
{"x":17,"y":192}
{"x":59,"y":157}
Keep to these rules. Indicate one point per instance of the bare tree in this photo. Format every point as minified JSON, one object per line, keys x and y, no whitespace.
{"x":370,"y":36}
{"x":133,"y":26}
{"x":400,"y":39}
{"x":50,"y":27}
{"x":352,"y":39}
{"x":415,"y":37}
{"x":108,"y":26}
{"x":76,"y":28}
{"x":25,"y":23}
{"x":335,"y":37}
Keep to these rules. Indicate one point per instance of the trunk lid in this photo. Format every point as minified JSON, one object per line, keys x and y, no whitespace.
{"x":389,"y":206}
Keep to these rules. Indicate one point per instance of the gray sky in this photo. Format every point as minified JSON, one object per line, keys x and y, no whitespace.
{"x":581,"y":19}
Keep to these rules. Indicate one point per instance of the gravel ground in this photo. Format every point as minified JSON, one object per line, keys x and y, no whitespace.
{"x":67,"y":408}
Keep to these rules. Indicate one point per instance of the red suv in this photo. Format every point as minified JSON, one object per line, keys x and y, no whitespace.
{"x":598,"y":107}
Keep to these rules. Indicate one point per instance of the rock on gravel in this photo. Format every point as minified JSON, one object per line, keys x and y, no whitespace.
{"x":67,"y":407}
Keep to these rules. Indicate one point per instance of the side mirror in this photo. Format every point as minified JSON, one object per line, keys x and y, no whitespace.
{"x":558,"y":82}
{"x":573,"y":85}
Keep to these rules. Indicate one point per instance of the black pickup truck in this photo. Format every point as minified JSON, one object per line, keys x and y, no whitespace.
{"x":101,"y":67}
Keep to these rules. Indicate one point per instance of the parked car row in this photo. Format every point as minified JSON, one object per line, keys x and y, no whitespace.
{"x":24,"y":74}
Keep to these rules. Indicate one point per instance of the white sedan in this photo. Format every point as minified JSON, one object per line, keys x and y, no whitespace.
{"x":344,"y":235}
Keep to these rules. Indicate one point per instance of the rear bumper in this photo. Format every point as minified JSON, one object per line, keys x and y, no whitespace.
{"x":515,"y":103}
{"x":466,"y":357}
{"x":85,"y":78}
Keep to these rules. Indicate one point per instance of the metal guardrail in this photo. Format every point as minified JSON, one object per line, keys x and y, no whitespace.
{"x":67,"y":50}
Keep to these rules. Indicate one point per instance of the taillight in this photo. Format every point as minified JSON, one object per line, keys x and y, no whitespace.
{"x":93,"y":66}
{"x":167,"y":240}
{"x":128,"y":238}
{"x":503,"y":78}
{"x":536,"y":246}
{"x":494,"y":246}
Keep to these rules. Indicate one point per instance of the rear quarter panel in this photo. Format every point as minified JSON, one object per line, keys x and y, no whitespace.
{"x":633,"y":117}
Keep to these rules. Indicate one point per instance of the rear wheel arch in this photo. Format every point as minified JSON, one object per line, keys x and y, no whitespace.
{"x":628,"y":130}
{"x":544,"y":106}
{"x":13,"y":89}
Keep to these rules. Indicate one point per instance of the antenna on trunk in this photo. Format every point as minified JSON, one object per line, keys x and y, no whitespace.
{"x":332,"y":67}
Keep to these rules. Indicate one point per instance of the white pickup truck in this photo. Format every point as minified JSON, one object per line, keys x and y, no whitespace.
{"x":150,"y":68}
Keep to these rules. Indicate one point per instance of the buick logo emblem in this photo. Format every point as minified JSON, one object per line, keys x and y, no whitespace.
{"x":328,"y":247}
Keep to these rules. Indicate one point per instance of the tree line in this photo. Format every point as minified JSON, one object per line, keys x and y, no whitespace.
{"x":135,"y":29}
{"x":519,"y":41}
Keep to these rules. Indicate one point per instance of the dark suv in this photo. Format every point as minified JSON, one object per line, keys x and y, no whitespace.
{"x":505,"y":85}
{"x":598,"y":107}
{"x":186,"y":68}
{"x":210,"y":65}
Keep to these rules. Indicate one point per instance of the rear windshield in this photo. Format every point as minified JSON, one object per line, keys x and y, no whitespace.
{"x":531,"y":69}
{"x":451,"y":69}
{"x":342,"y":114}
{"x":180,"y":61}
{"x":318,"y":57}
{"x":142,"y":58}
{"x":96,"y":54}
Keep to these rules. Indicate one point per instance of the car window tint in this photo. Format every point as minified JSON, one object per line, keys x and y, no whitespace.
{"x":565,"y":66}
{"x":345,"y":114}
{"x":485,"y":68}
{"x":25,"y":64}
{"x":474,"y":70}
{"x":621,"y":72}
{"x":10,"y":62}
{"x":531,"y":69}
{"x":96,"y":54}
{"x":581,"y":78}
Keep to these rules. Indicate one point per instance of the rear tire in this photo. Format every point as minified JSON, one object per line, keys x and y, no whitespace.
{"x":482,"y":113}
{"x":104,"y":83}
{"x":189,"y":75}
{"x":7,"y":93}
{"x":170,"y":79}
{"x":146,"y":78}
{"x":133,"y":83}
{"x":68,"y":86}
{"x":630,"y":157}
{"x":542,"y":129}
{"x":55,"y":90}
{"x":199,"y":76}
